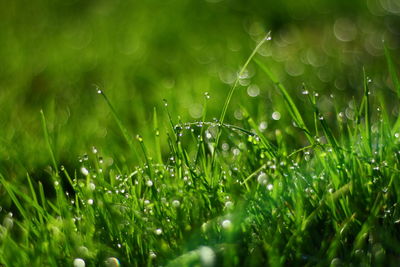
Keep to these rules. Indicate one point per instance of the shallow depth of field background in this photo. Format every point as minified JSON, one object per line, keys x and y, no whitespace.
{"x":54,"y":54}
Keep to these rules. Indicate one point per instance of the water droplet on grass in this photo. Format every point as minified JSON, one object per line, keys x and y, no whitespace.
{"x":276,"y":116}
{"x":262,"y":178}
{"x":236,"y":151}
{"x":84,"y":171}
{"x":149,"y":183}
{"x":207,"y":256}
{"x":253,"y":90}
{"x":226,"y":224}
{"x":176,"y":203}
{"x":152,"y":255}
{"x":228,"y":204}
{"x":263,"y":125}
{"x":92,"y":186}
{"x":158,"y":231}
{"x":112,"y":262}
{"x":305,"y":92}
{"x":78,"y":262}
{"x":8,"y":222}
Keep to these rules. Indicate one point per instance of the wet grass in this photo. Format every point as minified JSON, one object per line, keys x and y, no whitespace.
{"x":221,"y":194}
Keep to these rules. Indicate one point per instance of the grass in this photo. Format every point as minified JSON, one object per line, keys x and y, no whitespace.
{"x":289,"y":159}
{"x":222,"y":195}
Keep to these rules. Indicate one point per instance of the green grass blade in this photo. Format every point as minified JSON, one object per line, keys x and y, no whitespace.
{"x":125,"y":133}
{"x":156,"y":129}
{"x":233,"y":88}
{"x":9,"y":188}
{"x":367,"y":111}
{"x":392,"y":70}
{"x":242,"y":70}
{"x":293,"y":110}
{"x":47,"y":138}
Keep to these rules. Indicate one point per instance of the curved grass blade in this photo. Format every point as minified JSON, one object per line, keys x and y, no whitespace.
{"x":293,"y":110}
{"x":233,"y":88}
{"x":124,"y":131}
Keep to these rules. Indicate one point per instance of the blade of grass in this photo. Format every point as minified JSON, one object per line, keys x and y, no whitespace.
{"x":124,"y":131}
{"x":233,"y":88}
{"x":293,"y":110}
{"x":367,"y":111}
{"x":47,"y":138}
{"x":392,"y":70}
{"x":157,"y":137}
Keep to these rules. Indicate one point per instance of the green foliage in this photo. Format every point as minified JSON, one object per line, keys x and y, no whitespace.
{"x":300,"y":168}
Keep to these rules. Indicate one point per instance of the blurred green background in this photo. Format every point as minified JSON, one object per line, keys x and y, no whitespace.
{"x":54,"y":54}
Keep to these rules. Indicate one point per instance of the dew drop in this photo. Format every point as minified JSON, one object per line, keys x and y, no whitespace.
{"x":176,"y":203}
{"x":207,"y":256}
{"x":152,"y":255}
{"x":228,"y":204}
{"x":262,"y":178}
{"x":92,"y":186}
{"x":208,"y":135}
{"x":226,"y":224}
{"x":253,"y":90}
{"x":149,"y":183}
{"x":112,"y":262}
{"x":263,"y":126}
{"x":236,"y":151}
{"x":158,"y":231}
{"x":84,"y":171}
{"x":276,"y":116}
{"x":78,"y":262}
{"x":305,"y":92}
{"x":8,"y":222}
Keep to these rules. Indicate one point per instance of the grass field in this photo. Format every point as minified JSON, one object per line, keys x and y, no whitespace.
{"x":199,"y":133}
